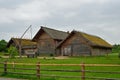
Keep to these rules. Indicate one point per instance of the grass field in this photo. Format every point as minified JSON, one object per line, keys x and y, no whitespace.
{"x":110,"y":59}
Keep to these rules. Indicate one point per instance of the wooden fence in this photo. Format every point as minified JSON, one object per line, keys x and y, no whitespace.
{"x":38,"y":70}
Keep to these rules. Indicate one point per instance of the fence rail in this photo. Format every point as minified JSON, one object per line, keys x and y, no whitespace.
{"x":107,"y":65}
{"x":38,"y":70}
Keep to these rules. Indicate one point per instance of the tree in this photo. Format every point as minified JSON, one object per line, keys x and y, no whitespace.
{"x":116,"y":48}
{"x":12,"y":52}
{"x":3,"y":45}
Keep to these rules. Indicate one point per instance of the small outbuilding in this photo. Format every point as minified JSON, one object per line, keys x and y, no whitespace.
{"x":83,"y":44}
{"x":28,"y":47}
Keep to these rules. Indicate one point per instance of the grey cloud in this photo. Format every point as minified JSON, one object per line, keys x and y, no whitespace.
{"x":98,"y":17}
{"x":12,"y":3}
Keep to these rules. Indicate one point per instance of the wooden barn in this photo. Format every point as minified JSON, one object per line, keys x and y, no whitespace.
{"x":82,"y":44}
{"x":27,"y":45}
{"x":47,"y":39}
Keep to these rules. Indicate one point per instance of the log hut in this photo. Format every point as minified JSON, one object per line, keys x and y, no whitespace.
{"x":83,"y":44}
{"x":47,"y":39}
{"x":27,"y":45}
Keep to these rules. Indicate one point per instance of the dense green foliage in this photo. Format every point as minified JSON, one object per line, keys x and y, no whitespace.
{"x":12,"y":51}
{"x":3,"y":45}
{"x":116,"y":48}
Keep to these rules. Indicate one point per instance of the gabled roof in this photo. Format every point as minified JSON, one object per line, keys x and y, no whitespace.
{"x":24,"y":42}
{"x":55,"y":34}
{"x":93,"y":40}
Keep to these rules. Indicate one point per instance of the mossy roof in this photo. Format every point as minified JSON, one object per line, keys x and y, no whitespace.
{"x":95,"y":40}
{"x":24,"y":42}
{"x":92,"y":39}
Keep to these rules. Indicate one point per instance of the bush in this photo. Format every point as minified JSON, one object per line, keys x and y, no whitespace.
{"x":51,"y":55}
{"x":12,"y":52}
{"x":3,"y":45}
{"x":119,"y":55}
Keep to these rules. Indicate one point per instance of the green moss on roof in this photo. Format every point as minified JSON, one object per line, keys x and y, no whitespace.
{"x":24,"y":42}
{"x":96,"y":40}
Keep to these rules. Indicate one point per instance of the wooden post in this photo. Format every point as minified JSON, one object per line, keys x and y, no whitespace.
{"x":13,"y":65}
{"x":38,"y":70}
{"x":5,"y":67}
{"x":83,"y":71}
{"x":20,"y":47}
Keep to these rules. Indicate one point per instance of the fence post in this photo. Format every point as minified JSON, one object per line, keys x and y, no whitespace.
{"x":13,"y":65}
{"x":83,"y":71}
{"x":5,"y":67}
{"x":38,"y":70}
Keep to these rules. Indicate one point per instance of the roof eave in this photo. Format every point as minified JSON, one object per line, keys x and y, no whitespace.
{"x":102,"y":46}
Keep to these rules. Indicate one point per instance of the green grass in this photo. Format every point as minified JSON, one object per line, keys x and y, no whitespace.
{"x":111,"y":59}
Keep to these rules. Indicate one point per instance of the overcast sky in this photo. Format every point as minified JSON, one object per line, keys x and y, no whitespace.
{"x":97,"y":17}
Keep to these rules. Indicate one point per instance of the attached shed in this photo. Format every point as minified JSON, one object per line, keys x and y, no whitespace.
{"x":47,"y":39}
{"x":27,"y":45}
{"x":80,"y":43}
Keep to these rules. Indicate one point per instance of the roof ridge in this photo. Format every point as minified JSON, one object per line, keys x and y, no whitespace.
{"x":52,"y":29}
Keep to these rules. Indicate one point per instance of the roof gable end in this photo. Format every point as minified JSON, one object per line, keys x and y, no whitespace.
{"x":55,"y":34}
